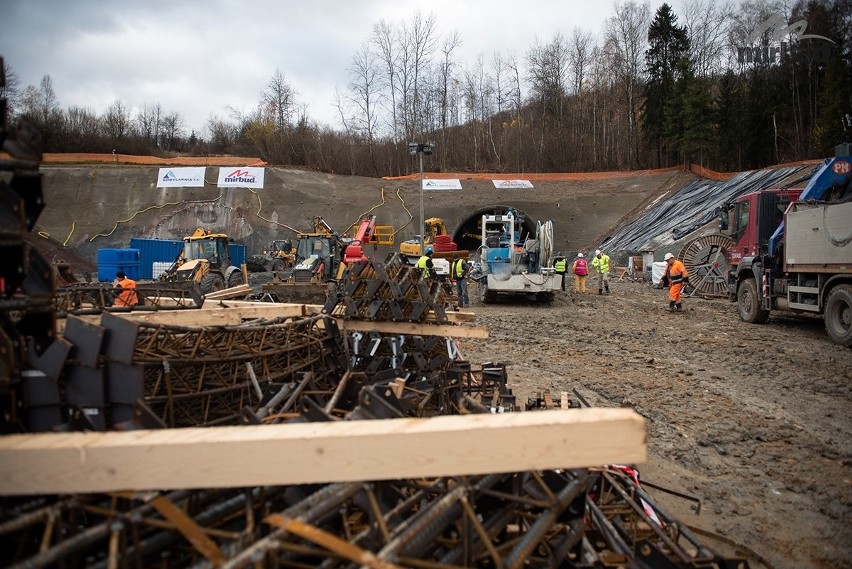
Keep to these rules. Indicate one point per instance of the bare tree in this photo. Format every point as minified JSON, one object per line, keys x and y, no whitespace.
{"x":279,"y":99}
{"x":82,"y":125}
{"x":384,"y":39}
{"x":708,"y":24}
{"x":172,"y":130}
{"x":516,"y":98}
{"x":117,"y":121}
{"x":148,"y":120}
{"x":222,"y":134}
{"x":446,"y":86}
{"x":626,"y":38}
{"x":365,"y":85}
{"x":579,"y":53}
{"x":419,"y":41}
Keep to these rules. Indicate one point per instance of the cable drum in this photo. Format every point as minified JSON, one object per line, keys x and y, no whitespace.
{"x":544,"y":234}
{"x":705,"y":259}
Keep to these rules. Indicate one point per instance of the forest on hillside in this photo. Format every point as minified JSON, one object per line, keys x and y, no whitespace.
{"x":727,"y":86}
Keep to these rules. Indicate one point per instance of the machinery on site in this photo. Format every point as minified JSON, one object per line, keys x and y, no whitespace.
{"x":321,"y":255}
{"x":280,"y":256}
{"x":511,"y":263}
{"x":791,"y":249}
{"x":435,"y":236}
{"x":205,"y":260}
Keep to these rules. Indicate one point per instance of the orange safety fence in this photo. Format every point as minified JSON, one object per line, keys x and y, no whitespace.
{"x":536,"y":177}
{"x":88,"y":158}
{"x":124,"y":159}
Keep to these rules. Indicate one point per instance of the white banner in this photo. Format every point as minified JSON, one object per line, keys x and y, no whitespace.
{"x":453,"y":184}
{"x":511,"y":184}
{"x":181,"y":177}
{"x":242,"y":177}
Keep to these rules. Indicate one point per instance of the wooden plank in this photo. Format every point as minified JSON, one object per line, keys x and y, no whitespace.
{"x":233,"y":292}
{"x":300,"y":453}
{"x":413,"y":328}
{"x":218,"y":317}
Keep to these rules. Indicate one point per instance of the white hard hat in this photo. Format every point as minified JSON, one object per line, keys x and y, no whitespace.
{"x":598,"y":252}
{"x":668,"y":256}
{"x":580,"y":255}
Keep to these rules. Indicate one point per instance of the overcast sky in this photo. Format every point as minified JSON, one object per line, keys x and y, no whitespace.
{"x":199,"y":57}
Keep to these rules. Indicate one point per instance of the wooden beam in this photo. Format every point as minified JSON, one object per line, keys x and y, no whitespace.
{"x":300,"y":453}
{"x":233,"y":292}
{"x":413,"y":328}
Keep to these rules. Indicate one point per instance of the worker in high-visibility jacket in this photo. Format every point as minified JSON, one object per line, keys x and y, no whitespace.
{"x":126,"y":290}
{"x":601,"y":264}
{"x":459,"y":272}
{"x":676,"y":277}
{"x":424,"y":263}
{"x":560,"y":266}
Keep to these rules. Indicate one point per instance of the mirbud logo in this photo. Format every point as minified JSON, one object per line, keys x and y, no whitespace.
{"x":240,"y":176}
{"x":780,"y":51}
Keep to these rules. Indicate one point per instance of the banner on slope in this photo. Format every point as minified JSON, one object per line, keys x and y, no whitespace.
{"x":181,"y":177}
{"x":511,"y":184}
{"x":241,"y":177}
{"x":452,"y":184}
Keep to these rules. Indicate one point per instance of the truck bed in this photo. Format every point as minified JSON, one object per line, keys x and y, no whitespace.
{"x":818,"y":237}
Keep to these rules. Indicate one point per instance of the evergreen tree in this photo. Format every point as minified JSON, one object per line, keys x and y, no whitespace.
{"x":666,"y":63}
{"x":730,"y":105}
{"x":835,"y":101}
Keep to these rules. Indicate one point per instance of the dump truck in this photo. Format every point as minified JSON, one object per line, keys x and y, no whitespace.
{"x":205,"y":259}
{"x":799,"y":260}
{"x":510,"y":265}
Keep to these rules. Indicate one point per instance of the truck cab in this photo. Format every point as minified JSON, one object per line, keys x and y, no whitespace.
{"x":750,"y":221}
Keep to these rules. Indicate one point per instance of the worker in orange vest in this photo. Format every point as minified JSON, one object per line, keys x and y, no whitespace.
{"x":676,"y":278}
{"x":127,"y":290}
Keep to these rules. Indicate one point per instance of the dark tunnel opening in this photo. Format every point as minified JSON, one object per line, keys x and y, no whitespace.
{"x":468,"y":235}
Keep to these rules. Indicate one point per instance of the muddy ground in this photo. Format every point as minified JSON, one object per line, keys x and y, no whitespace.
{"x":755,"y":420}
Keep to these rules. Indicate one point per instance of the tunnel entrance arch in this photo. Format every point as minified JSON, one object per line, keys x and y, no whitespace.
{"x":468,"y":234}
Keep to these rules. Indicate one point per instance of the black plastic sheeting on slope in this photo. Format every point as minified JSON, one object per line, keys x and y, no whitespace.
{"x":693,"y":207}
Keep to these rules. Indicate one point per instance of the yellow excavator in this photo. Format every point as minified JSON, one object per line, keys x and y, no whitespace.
{"x":437,"y":237}
{"x":205,"y":259}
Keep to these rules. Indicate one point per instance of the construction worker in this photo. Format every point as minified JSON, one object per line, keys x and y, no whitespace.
{"x":126,"y":290}
{"x":424,"y":263}
{"x":676,"y":278}
{"x":459,"y":272}
{"x":601,"y":265}
{"x":560,"y":266}
{"x":580,"y":269}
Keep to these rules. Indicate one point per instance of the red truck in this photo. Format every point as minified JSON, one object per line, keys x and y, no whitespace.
{"x":791,"y":249}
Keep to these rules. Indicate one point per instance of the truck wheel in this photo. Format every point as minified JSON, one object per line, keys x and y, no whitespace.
{"x":277,"y":265}
{"x":236,"y":279}
{"x":212,"y":283}
{"x":486,"y":296}
{"x":748,"y":303}
{"x":838,"y":315}
{"x":545,"y":297}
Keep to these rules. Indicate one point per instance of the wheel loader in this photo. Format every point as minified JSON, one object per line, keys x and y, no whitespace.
{"x":205,"y":259}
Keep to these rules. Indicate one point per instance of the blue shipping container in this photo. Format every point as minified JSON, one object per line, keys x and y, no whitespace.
{"x":110,"y":261}
{"x":238,"y":253}
{"x":155,"y":251}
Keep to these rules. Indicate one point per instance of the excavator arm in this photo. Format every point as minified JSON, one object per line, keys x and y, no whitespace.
{"x":355,"y":250}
